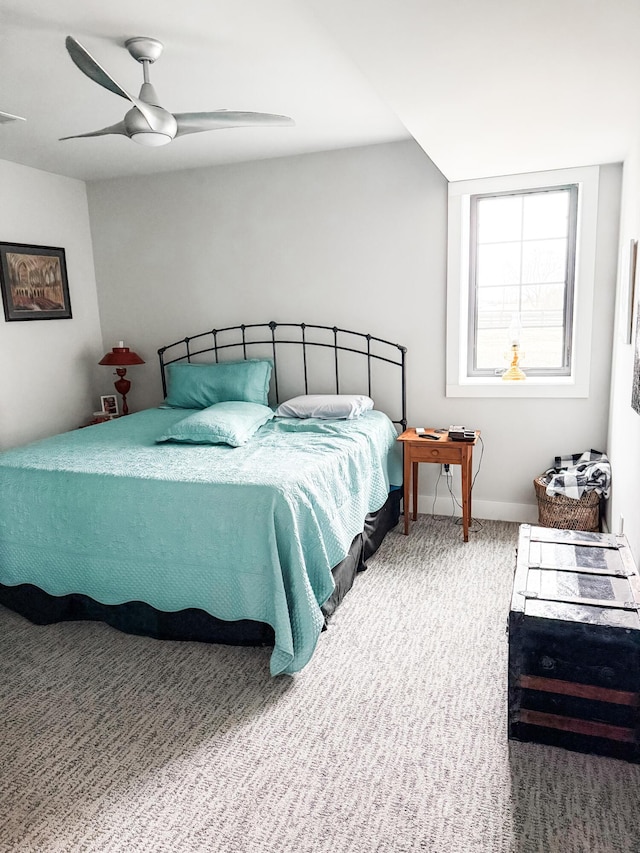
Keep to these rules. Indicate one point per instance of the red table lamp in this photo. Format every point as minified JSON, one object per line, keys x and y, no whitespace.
{"x":122,"y":357}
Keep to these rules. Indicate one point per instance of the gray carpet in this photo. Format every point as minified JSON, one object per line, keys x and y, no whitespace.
{"x":393,"y":738}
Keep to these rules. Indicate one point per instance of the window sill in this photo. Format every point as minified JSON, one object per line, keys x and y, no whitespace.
{"x":534,"y":386}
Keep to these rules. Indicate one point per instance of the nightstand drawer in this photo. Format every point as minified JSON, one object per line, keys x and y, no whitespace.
{"x":432,"y":452}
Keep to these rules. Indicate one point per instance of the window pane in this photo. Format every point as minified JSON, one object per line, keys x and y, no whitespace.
{"x":496,"y":306}
{"x":546,"y":300}
{"x":541,"y":347}
{"x":498,"y":263}
{"x":546,"y":215}
{"x":544,"y":260}
{"x":493,"y":349}
{"x":499,"y":218}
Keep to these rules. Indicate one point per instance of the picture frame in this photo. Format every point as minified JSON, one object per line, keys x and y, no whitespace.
{"x":631,"y":292}
{"x":33,"y":281}
{"x":635,"y":383}
{"x":109,"y":404}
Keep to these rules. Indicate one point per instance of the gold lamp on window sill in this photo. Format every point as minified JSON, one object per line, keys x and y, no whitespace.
{"x":514,"y":372}
{"x":122,"y":357}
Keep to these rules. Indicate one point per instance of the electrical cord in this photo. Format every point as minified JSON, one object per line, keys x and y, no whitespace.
{"x":473,"y":481}
{"x":448,"y":480}
{"x":475,"y":521}
{"x":454,"y":500}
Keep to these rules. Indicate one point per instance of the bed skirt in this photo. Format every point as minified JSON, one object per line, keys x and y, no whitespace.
{"x":136,"y":617}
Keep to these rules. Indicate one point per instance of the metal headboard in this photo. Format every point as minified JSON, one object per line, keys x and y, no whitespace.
{"x":277,"y":335}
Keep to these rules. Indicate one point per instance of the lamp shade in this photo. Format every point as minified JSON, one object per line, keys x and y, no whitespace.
{"x":121,"y":356}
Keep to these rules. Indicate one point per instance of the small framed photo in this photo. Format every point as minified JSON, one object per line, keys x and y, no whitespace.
{"x":109,"y":404}
{"x":33,"y":280}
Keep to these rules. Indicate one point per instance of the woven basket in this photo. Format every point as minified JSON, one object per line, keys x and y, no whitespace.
{"x":567,"y":513}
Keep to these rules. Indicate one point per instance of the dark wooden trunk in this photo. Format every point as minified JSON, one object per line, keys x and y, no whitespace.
{"x":574,"y":643}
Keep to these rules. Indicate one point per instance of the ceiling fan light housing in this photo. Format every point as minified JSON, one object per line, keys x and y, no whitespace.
{"x":151,"y":139}
{"x":164,"y":127}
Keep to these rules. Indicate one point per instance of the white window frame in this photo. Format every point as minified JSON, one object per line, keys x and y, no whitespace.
{"x":458,"y":382}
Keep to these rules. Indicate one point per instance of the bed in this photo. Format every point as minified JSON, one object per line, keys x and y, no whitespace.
{"x":257,"y":542}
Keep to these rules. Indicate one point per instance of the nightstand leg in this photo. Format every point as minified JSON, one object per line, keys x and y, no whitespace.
{"x":405,"y":496}
{"x":470,"y":482}
{"x":414,"y":479}
{"x":466,"y":492}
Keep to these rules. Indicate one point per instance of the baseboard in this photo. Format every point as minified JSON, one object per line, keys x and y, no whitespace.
{"x":493,"y":510}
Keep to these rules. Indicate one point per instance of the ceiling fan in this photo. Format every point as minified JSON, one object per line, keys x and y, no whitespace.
{"x":147,"y":123}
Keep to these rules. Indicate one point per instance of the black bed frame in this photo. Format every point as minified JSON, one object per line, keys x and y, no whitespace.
{"x":250,"y":339}
{"x":135,"y":617}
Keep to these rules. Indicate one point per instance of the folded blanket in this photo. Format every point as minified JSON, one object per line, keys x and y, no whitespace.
{"x":581,"y":472}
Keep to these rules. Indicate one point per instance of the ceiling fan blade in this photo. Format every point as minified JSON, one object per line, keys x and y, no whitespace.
{"x":5,"y":118}
{"x":92,"y":68}
{"x":118,"y":128}
{"x":219,"y":119}
{"x":89,"y":66}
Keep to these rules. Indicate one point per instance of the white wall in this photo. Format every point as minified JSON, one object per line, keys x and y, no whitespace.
{"x":624,"y":427}
{"x":355,"y":238}
{"x":522,"y":437}
{"x":46,"y":382}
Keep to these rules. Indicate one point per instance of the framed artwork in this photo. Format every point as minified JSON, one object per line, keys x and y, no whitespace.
{"x":109,"y":404}
{"x":635,"y":388}
{"x":33,"y":280}
{"x":631,"y":292}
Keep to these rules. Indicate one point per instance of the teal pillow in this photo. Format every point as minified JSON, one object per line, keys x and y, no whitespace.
{"x":196,"y":386}
{"x":231,"y":423}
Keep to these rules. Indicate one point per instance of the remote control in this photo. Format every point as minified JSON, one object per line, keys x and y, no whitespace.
{"x":430,"y":435}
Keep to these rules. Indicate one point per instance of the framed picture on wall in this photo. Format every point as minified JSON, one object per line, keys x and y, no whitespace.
{"x":33,"y":280}
{"x":635,"y":386}
{"x":631,"y":291}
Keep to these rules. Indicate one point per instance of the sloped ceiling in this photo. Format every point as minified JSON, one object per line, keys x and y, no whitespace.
{"x":494,"y":87}
{"x":486,"y":87}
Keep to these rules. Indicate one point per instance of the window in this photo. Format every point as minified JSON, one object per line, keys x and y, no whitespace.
{"x":522,"y":250}
{"x":521,"y":268}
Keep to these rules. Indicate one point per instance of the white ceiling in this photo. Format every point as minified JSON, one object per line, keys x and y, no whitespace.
{"x":494,"y":87}
{"x":486,"y":87}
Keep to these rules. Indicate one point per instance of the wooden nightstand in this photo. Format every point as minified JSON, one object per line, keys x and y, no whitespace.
{"x":441,"y":451}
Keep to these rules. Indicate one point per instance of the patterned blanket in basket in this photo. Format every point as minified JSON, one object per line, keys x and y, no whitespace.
{"x":578,"y":473}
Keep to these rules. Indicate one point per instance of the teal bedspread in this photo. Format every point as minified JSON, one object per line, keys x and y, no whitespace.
{"x":242,"y":533}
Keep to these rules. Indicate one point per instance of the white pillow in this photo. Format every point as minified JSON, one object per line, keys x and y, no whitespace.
{"x":325,"y":406}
